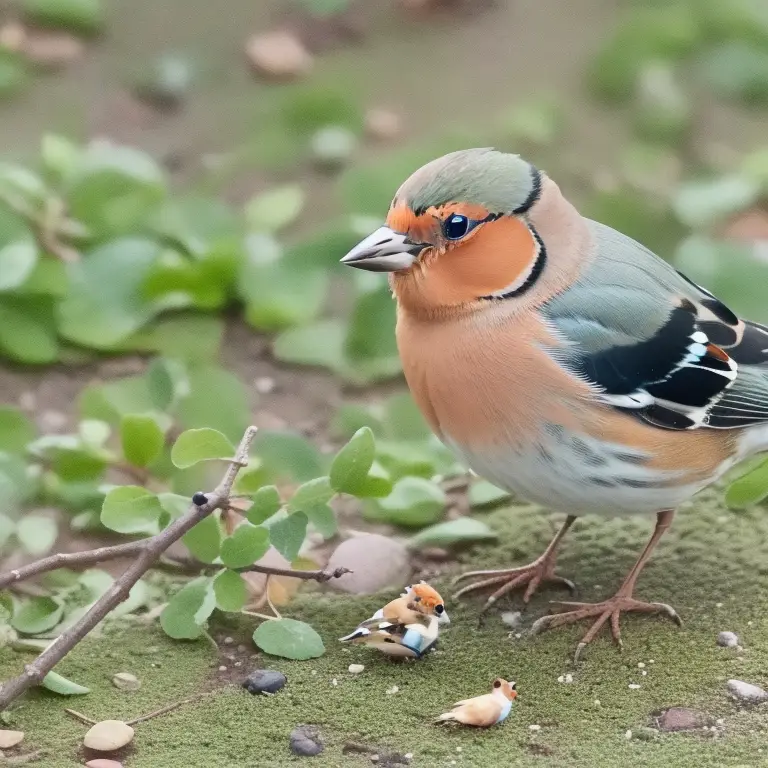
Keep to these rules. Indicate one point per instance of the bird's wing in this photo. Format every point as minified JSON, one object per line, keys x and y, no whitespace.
{"x":481,"y":711}
{"x":654,"y":343}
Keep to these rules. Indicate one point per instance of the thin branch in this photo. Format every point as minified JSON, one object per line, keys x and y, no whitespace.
{"x":269,"y":599}
{"x":164,"y":710}
{"x":148,"y":552}
{"x":80,"y":716}
{"x":320,"y":576}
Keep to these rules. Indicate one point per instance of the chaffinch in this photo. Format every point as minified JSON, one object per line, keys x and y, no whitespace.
{"x":407,"y":627}
{"x":562,"y":360}
{"x":482,"y":711}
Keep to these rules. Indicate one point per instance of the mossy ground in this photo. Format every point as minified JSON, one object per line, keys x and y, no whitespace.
{"x":713,"y":566}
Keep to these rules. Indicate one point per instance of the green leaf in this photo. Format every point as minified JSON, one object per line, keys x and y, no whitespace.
{"x":55,"y":682}
{"x":188,"y":610}
{"x":196,"y":445}
{"x":738,"y":70}
{"x":286,"y":456}
{"x":448,"y":534}
{"x":377,"y":485}
{"x":287,"y":535}
{"x":36,"y":615}
{"x":110,"y":402}
{"x":37,"y":533}
{"x":17,"y":261}
{"x":311,"y":494}
{"x":266,"y":502}
{"x":414,"y":502}
{"x":372,"y":327}
{"x":702,"y":204}
{"x":750,"y":488}
{"x":16,"y":430}
{"x":289,"y":639}
{"x":184,"y":336}
{"x":60,"y":157}
{"x":275,"y":209}
{"x":484,"y":494}
{"x":204,"y":540}
{"x":307,"y":108}
{"x":352,"y":416}
{"x":131,"y":509}
{"x":352,"y":463}
{"x":105,"y":305}
{"x":230,"y":590}
{"x":14,"y":74}
{"x":142,"y":439}
{"x":7,"y":525}
{"x":28,"y":331}
{"x":324,"y":520}
{"x":319,"y":344}
{"x":403,"y":420}
{"x":247,"y":544}
{"x":79,"y":16}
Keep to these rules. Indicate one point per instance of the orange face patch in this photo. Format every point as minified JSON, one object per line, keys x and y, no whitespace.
{"x":428,"y":596}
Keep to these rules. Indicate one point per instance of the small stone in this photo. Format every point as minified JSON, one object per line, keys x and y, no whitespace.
{"x":383,"y":124}
{"x":641,"y":665}
{"x":264,"y":681}
{"x":52,"y":50}
{"x":356,"y":669}
{"x":752,"y":694}
{"x":458,"y":749}
{"x":512,"y":619}
{"x":392,"y":690}
{"x":306,"y":741}
{"x":534,"y":727}
{"x":681,"y":719}
{"x":333,"y":146}
{"x":643,"y":672}
{"x":634,"y":686}
{"x":727,"y":639}
{"x":10,"y":739}
{"x":334,"y":681}
{"x":596,"y":702}
{"x":12,"y":36}
{"x":108,"y":736}
{"x":377,"y":562}
{"x":265,"y":385}
{"x":125,"y":681}
{"x":100,"y":762}
{"x":628,"y":735}
{"x":229,"y":640}
{"x":278,"y":55}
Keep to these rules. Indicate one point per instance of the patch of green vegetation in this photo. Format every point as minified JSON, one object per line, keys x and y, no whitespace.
{"x":711,"y":566}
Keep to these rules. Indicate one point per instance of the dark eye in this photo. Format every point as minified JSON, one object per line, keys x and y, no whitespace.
{"x":439,"y":609}
{"x":456,"y":226}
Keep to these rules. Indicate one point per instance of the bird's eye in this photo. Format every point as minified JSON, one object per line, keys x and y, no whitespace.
{"x":456,"y":226}
{"x":439,"y":609}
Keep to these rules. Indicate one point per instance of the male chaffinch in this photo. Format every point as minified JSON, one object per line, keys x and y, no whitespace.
{"x":407,"y":626}
{"x":486,"y":710}
{"x":561,"y":359}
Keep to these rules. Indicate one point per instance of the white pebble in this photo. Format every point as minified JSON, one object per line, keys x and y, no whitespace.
{"x":393,"y":690}
{"x":596,"y":702}
{"x":265,"y":385}
{"x":561,"y":679}
{"x":222,"y":668}
{"x":313,"y":672}
{"x":718,"y":605}
{"x":641,"y":665}
{"x":356,"y":669}
{"x":534,"y":727}
{"x":458,"y":749}
{"x":628,"y":735}
{"x":229,"y":640}
{"x":720,"y":721}
{"x":749,"y":623}
{"x":651,"y":661}
{"x":408,"y":755}
{"x":643,"y":672}
{"x":334,"y":681}
{"x":633,"y":686}
{"x":569,"y":678}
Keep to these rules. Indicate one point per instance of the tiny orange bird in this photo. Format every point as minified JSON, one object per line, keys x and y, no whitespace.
{"x":484,"y":711}
{"x":562,"y":360}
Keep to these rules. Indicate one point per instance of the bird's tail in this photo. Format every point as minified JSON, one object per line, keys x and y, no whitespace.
{"x":358,"y":634}
{"x":445,"y":718}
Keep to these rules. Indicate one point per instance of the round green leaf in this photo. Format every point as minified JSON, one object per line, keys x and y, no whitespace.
{"x":16,"y":430}
{"x":414,"y":502}
{"x":286,"y":456}
{"x":37,"y":533}
{"x":17,"y":260}
{"x":84,"y":16}
{"x":318,"y":344}
{"x":188,"y":610}
{"x":750,"y":488}
{"x":352,"y":463}
{"x":324,"y":520}
{"x":311,"y":494}
{"x":196,"y":445}
{"x":700,"y":204}
{"x":36,"y":615}
{"x":142,"y":439}
{"x":266,"y":502}
{"x":287,"y":535}
{"x":230,"y":590}
{"x":289,"y":638}
{"x":459,"y":531}
{"x":275,"y":209}
{"x":28,"y":331}
{"x":55,"y":682}
{"x":247,"y":544}
{"x":131,"y":509}
{"x":204,"y":540}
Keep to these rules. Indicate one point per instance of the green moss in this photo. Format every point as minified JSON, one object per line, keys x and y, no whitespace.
{"x":710,"y":557}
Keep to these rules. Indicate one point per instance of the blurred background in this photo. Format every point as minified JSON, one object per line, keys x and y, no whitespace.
{"x":179,"y":180}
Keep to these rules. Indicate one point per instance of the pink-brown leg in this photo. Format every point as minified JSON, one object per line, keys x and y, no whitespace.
{"x":541,"y":570}
{"x":611,"y":609}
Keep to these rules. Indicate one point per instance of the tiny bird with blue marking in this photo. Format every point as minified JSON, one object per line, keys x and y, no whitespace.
{"x":486,"y":710}
{"x":406,"y":627}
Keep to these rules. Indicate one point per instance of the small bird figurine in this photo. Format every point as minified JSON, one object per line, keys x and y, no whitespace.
{"x":482,"y":711}
{"x":407,"y":626}
{"x":562,"y":360}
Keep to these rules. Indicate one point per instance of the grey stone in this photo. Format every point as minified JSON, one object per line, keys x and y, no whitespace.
{"x":377,"y":562}
{"x":727,"y":639}
{"x":681,"y":719}
{"x":751,"y":694}
{"x":264,"y":681}
{"x":306,"y":741}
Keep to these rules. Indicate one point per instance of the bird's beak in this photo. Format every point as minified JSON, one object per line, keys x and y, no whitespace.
{"x":384,"y":251}
{"x":443,"y":618}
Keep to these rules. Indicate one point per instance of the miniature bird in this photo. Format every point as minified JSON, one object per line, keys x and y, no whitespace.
{"x":562,"y":360}
{"x":407,"y":627}
{"x":482,"y":711}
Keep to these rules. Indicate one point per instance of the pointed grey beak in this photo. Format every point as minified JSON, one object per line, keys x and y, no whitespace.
{"x":443,"y":618}
{"x":384,"y":251}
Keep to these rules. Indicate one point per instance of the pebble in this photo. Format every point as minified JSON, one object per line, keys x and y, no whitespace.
{"x":565,"y":678}
{"x":393,"y":690}
{"x":628,"y":735}
{"x":229,"y":640}
{"x":377,"y":562}
{"x":641,"y":665}
{"x":383,"y":124}
{"x":265,"y":385}
{"x":278,"y":55}
{"x":727,"y":639}
{"x":356,"y":669}
{"x":108,"y":735}
{"x":747,"y":692}
{"x":10,"y":739}
{"x":681,"y":719}
{"x":222,"y":668}
{"x":334,"y":681}
{"x":125,"y":681}
{"x":534,"y":727}
{"x":333,"y":146}
{"x":264,"y":681}
{"x":634,"y":686}
{"x":52,"y":50}
{"x":513,"y":619}
{"x":306,"y":741}
{"x":100,"y":762}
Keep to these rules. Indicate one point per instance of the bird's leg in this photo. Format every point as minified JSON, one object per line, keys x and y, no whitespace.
{"x":540,"y":570}
{"x":611,"y":609}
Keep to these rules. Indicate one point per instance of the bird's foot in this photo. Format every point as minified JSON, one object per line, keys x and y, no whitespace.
{"x":541,"y":571}
{"x":608,"y":610}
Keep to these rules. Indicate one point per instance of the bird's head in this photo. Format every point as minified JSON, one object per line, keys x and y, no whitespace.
{"x":461,"y":232}
{"x":425,"y":599}
{"x":507,"y":688}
